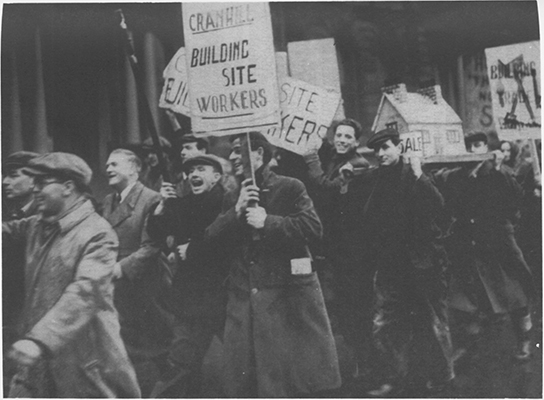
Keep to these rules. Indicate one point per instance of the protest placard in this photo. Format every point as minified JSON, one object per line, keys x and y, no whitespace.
{"x":175,"y":90}
{"x":316,"y":62}
{"x":514,"y":78}
{"x":307,"y":112}
{"x":231,"y":67}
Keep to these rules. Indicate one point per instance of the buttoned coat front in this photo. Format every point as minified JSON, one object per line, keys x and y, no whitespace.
{"x":138,"y":256}
{"x":277,"y":335}
{"x":69,"y":305}
{"x":489,"y":268}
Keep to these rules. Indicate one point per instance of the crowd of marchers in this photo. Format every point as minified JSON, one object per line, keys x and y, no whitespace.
{"x":123,"y":296}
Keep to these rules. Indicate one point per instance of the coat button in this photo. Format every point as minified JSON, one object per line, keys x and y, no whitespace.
{"x":472,"y":221}
{"x":473,"y":243}
{"x":254,"y":291}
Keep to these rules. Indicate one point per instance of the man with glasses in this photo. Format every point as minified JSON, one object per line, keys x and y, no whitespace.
{"x":69,"y":343}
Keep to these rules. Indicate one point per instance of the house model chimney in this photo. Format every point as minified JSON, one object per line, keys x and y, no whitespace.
{"x":434,"y":93}
{"x":398,"y":91}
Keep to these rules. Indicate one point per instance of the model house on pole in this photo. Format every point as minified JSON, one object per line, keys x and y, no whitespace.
{"x":427,"y":124}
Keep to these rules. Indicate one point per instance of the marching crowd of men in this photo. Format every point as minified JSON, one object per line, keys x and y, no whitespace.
{"x":94,"y":292}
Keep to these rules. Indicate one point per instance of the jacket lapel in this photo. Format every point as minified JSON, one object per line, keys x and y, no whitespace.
{"x":125,"y":209}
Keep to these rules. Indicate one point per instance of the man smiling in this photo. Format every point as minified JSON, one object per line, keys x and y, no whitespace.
{"x":126,"y":209}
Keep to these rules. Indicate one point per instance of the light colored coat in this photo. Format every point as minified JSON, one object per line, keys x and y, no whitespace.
{"x":69,"y":304}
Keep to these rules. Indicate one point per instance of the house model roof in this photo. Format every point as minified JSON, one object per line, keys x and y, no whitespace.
{"x":423,"y":107}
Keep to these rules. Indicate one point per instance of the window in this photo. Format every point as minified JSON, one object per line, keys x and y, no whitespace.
{"x":392,"y":125}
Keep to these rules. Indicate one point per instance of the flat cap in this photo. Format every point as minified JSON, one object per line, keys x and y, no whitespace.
{"x":189,"y":138}
{"x":204,"y":159}
{"x":475,"y":137}
{"x":148,"y":143}
{"x":382,"y":136}
{"x":61,"y":164}
{"x":19,"y":159}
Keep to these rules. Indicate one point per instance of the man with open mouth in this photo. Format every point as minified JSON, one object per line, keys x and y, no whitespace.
{"x":197,"y":298}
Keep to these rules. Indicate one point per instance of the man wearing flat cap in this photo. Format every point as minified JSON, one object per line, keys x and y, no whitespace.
{"x":490,"y":275}
{"x":198,"y":296}
{"x":18,"y":203}
{"x":69,"y":343}
{"x":392,"y":212}
{"x":17,"y":186}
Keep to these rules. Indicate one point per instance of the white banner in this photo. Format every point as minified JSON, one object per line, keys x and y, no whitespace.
{"x":307,"y":113}
{"x":231,"y":66}
{"x":175,"y":90}
{"x":514,"y":78}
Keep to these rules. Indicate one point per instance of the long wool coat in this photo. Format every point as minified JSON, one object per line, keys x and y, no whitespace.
{"x":69,"y":305}
{"x":277,"y":335}
{"x":489,"y":268}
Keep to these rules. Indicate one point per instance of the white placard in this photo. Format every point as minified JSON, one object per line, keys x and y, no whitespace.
{"x":514,"y":79}
{"x":231,"y":66}
{"x":175,"y":90}
{"x":307,"y":113}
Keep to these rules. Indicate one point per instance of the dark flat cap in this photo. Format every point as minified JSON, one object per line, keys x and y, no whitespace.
{"x":382,"y":136}
{"x":204,"y":159}
{"x":61,"y":164}
{"x":190,"y":138}
{"x":19,"y":159}
{"x":475,"y":137}
{"x":148,"y":143}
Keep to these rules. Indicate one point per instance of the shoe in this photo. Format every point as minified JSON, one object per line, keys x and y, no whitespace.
{"x":523,"y":351}
{"x":383,"y":391}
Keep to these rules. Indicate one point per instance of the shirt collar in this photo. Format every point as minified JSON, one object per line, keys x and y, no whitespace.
{"x":126,"y":191}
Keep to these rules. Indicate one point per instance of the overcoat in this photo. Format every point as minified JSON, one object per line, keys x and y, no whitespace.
{"x":198,"y":283}
{"x":391,"y":223}
{"x":277,"y":333}
{"x":69,"y":304}
{"x":136,"y":290}
{"x":489,"y":270}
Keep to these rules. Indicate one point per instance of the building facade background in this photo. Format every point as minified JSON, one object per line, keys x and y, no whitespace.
{"x":67,"y":84}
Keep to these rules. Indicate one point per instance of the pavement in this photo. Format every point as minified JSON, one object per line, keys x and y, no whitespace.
{"x":488,"y":370}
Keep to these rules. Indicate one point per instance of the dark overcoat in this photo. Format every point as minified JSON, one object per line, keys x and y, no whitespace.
{"x":489,"y":270}
{"x":391,"y":223}
{"x":275,"y":318}
{"x":198,"y":288}
{"x":136,"y":290}
{"x":69,"y":305}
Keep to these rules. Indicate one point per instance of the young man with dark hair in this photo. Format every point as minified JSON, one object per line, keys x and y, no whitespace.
{"x":328,"y":183}
{"x":391,"y":212}
{"x":490,"y":275}
{"x":277,"y":341}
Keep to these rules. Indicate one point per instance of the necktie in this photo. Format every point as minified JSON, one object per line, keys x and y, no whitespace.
{"x":115,"y":202}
